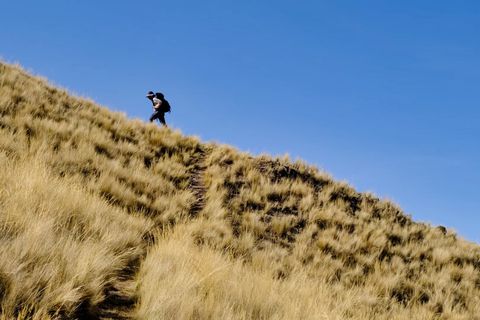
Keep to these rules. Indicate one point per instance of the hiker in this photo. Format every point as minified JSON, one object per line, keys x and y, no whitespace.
{"x":160,"y":106}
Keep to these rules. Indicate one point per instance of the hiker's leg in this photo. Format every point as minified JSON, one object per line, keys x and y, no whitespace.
{"x":154,"y":116}
{"x":161,"y":117}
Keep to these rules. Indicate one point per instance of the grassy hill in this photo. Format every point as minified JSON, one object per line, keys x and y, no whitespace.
{"x":106,"y":217}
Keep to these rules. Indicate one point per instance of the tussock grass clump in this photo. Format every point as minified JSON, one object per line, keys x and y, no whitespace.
{"x":182,"y":281}
{"x":62,"y":249}
{"x":106,"y":217}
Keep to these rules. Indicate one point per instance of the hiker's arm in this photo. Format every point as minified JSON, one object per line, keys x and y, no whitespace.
{"x":157,"y":104}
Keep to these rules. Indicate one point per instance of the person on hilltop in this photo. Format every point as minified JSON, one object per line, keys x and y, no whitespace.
{"x":160,"y":107}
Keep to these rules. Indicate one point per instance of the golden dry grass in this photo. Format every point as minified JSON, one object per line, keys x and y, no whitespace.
{"x":105,"y":217}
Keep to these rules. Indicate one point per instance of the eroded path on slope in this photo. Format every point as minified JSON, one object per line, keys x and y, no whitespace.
{"x":197,"y":184}
{"x":121,"y":299}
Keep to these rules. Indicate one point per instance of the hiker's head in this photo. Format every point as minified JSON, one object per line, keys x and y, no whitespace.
{"x":150,"y":95}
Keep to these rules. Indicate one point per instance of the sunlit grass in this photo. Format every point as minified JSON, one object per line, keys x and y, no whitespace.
{"x":102,"y":216}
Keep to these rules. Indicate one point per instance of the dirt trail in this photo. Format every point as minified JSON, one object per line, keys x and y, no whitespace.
{"x":120,"y":299}
{"x":197,"y":184}
{"x":119,"y":305}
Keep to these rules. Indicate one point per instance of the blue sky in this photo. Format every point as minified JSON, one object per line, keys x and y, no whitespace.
{"x":382,"y":94}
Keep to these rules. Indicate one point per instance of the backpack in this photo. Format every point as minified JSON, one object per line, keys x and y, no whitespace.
{"x":165,"y":104}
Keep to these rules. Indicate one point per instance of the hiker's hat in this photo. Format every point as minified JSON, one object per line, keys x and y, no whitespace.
{"x":150,"y":94}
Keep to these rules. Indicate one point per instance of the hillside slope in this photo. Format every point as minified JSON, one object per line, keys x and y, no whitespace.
{"x":106,"y":217}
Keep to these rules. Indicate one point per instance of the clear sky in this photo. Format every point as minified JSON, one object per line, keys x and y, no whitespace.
{"x":382,"y":94}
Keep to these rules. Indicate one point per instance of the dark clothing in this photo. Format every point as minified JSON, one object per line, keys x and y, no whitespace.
{"x":160,"y":107}
{"x":160,"y":115}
